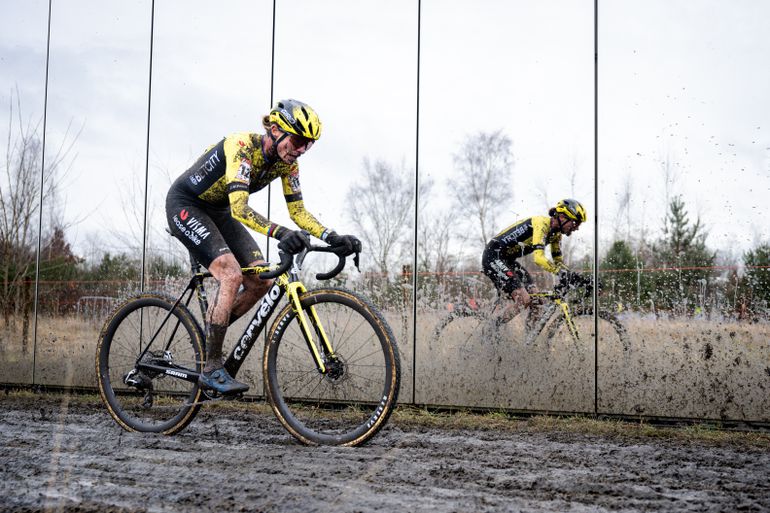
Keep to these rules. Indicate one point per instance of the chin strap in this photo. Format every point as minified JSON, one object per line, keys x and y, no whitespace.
{"x":273,"y":153}
{"x":562,"y":223}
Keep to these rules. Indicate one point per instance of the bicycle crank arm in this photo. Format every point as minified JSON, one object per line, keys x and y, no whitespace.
{"x":176,"y":372}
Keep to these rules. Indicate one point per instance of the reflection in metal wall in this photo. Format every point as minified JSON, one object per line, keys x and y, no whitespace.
{"x":359,"y":177}
{"x":22,"y":86}
{"x":209,"y":80}
{"x":93,"y":208}
{"x":502,"y":138}
{"x":506,"y":128}
{"x":684,"y":164}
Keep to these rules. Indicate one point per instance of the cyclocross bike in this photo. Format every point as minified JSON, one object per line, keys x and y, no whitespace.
{"x":330,"y":365}
{"x":562,"y":313}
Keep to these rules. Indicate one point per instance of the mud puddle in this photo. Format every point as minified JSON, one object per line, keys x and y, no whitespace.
{"x":64,"y":455}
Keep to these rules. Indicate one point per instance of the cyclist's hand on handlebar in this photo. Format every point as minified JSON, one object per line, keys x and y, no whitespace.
{"x":572,"y":279}
{"x":565,"y":277}
{"x":349,"y":243}
{"x":292,"y":241}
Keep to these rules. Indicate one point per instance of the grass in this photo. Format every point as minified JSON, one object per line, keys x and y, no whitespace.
{"x":407,"y":417}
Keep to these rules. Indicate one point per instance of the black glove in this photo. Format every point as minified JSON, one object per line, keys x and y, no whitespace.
{"x":568,"y":278}
{"x":292,"y":241}
{"x":573,"y":279}
{"x":350,"y":243}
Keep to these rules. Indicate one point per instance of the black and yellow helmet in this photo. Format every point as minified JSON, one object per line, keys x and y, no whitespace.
{"x":295,"y":117}
{"x":573,"y":209}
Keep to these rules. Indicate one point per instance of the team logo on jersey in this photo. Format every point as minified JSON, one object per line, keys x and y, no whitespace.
{"x":192,"y":228}
{"x":515,"y":234}
{"x":207,"y":167}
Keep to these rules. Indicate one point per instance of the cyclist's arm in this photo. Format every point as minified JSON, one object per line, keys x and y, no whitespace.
{"x":558,"y":259}
{"x":292,"y":193}
{"x":539,"y":234}
{"x":237,"y":178}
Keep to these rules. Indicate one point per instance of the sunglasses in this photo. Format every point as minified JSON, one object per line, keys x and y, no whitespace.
{"x":300,"y":142}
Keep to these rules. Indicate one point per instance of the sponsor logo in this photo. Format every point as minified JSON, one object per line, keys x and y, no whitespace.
{"x":184,"y":214}
{"x":207,"y":167}
{"x":377,"y":412}
{"x":288,"y":116}
{"x":264,"y":308}
{"x":500,"y":268}
{"x":193,"y":229}
{"x":178,"y":374}
{"x":515,"y":234}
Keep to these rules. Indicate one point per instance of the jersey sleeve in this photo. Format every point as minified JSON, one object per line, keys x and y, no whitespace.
{"x":237,"y":178}
{"x":539,"y":236}
{"x":292,"y":193}
{"x":558,"y":260}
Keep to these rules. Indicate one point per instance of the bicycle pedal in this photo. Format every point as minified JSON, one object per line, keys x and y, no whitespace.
{"x":211,"y":395}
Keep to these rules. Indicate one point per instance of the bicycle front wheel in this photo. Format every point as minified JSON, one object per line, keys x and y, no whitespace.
{"x":611,"y":334}
{"x":349,"y":403}
{"x":142,"y":400}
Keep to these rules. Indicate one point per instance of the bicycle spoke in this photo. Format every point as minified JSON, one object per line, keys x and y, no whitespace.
{"x":360,"y":373}
{"x":152,"y":400}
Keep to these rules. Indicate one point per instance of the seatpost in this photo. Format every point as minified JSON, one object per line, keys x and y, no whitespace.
{"x":195,"y":268}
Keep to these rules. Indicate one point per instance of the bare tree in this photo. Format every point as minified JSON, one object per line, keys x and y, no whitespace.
{"x":434,"y":240}
{"x":20,"y":200}
{"x":541,"y":189}
{"x":671,"y":173}
{"x":381,"y":208}
{"x":482,"y":180}
{"x":624,"y":207}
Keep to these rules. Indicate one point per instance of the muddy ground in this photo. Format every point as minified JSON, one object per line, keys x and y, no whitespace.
{"x":61,"y":453}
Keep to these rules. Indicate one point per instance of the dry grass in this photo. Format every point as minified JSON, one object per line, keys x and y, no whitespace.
{"x":407,"y":417}
{"x":674,"y":368}
{"x":582,"y":424}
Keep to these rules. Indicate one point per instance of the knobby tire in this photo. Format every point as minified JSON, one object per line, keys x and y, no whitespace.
{"x":347,"y":409}
{"x":175,"y":402}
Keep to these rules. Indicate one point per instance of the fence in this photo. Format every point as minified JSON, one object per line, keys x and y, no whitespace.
{"x":707,"y":364}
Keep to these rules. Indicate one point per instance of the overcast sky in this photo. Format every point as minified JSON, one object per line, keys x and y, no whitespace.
{"x":682,"y":81}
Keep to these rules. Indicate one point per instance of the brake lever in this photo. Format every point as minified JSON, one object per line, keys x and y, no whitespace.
{"x":357,"y":260}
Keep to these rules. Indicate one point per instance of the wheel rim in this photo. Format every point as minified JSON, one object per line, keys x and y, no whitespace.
{"x":357,"y":390}
{"x":168,"y":402}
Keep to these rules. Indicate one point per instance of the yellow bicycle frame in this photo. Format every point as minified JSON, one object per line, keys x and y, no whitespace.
{"x":564,"y":306}
{"x":295,"y":289}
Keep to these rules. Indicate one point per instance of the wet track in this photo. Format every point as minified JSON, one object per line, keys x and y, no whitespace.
{"x":58,"y":454}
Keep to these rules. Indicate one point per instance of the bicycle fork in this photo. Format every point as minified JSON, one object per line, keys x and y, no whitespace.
{"x":295,"y":290}
{"x":568,"y":318}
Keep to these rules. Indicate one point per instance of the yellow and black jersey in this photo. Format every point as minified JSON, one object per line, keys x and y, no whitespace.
{"x":235,"y":167}
{"x":529,"y":236}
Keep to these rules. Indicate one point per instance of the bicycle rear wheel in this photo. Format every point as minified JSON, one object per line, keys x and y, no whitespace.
{"x":353,"y":400}
{"x":146,"y":401}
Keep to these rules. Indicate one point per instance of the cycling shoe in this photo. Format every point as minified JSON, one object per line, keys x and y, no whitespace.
{"x":220,"y":381}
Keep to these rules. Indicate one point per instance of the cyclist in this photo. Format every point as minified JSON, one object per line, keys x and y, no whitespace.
{"x":207,"y":208}
{"x":530,"y":236}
